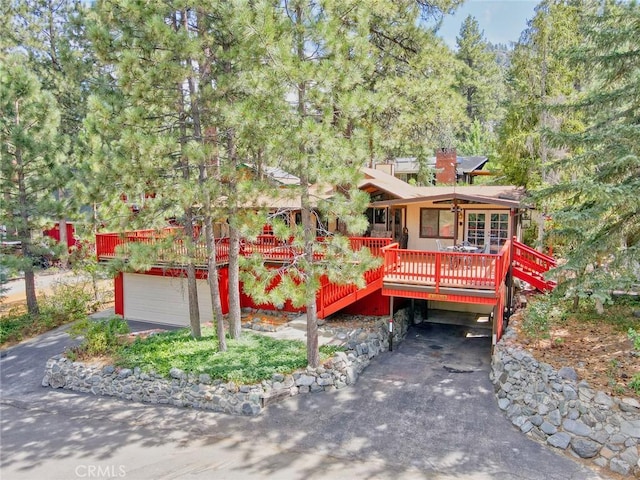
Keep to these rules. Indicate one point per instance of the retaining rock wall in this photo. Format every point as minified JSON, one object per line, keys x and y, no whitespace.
{"x":201,"y":391}
{"x":554,"y":407}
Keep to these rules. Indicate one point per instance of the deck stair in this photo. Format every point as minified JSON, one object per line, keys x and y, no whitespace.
{"x":530,"y":266}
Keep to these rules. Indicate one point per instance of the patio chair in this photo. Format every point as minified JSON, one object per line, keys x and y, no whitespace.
{"x":485,"y":250}
{"x":441,"y":247}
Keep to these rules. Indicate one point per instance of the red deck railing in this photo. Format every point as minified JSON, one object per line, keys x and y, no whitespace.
{"x":446,"y":269}
{"x":530,"y":265}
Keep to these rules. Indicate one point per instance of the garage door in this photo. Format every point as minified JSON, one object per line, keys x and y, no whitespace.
{"x":162,"y":299}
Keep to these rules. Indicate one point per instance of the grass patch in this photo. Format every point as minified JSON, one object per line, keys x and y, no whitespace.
{"x":248,"y":360}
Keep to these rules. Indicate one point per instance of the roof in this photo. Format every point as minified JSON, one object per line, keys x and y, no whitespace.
{"x":505,"y":195}
{"x":463,"y":164}
{"x":277,"y":174}
{"x":388,"y":183}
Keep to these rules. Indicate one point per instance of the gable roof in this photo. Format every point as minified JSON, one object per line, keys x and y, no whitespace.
{"x":463,"y":164}
{"x":504,"y":195}
{"x":388,"y":183}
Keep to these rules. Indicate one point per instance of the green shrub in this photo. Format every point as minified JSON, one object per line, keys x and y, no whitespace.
{"x":537,"y":317}
{"x":100,"y":337}
{"x":634,"y":384}
{"x":66,"y":304}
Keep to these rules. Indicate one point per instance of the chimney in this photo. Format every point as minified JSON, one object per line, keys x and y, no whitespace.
{"x":446,"y":160}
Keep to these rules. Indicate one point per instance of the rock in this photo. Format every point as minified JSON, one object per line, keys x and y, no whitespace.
{"x":576,"y":427}
{"x":57,"y":380}
{"x":630,"y":455}
{"x":630,"y":405}
{"x":176,"y":373}
{"x":619,"y":466}
{"x":124,"y":373}
{"x":559,"y":440}
{"x":603,"y":399}
{"x":547,"y":428}
{"x":630,"y":428}
{"x":305,"y":380}
{"x":568,"y":373}
{"x":585,"y":448}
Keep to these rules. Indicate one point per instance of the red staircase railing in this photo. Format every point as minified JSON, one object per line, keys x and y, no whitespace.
{"x":530,"y":266}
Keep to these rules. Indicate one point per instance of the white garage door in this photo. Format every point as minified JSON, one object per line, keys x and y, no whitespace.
{"x":163,"y":299}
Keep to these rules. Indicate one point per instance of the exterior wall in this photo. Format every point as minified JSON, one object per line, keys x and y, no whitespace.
{"x":460,"y":307}
{"x":413,"y":224}
{"x":373,"y":304}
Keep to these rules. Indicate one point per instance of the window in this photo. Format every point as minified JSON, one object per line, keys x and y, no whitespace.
{"x":436,"y":223}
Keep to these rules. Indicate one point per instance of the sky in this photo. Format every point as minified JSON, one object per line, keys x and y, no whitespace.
{"x":501,"y":20}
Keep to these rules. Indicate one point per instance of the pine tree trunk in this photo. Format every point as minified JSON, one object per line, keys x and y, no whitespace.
{"x":313,"y":353}
{"x":234,"y":283}
{"x":214,"y":284}
{"x":192,"y":284}
{"x":24,"y":235}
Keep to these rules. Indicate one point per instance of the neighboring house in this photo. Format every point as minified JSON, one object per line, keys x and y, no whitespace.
{"x":408,"y":169}
{"x":432,"y":266}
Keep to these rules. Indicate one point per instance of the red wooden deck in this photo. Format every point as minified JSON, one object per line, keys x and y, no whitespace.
{"x":447,"y":276}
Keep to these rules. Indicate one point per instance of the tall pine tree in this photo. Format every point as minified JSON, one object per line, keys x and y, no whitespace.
{"x":29,"y":161}
{"x":597,"y":214}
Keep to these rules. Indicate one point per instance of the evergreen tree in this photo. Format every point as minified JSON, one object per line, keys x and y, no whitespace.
{"x":413,"y":107}
{"x":318,"y":59}
{"x":538,"y":77}
{"x":479,"y":79}
{"x":154,"y":148}
{"x":29,"y":160}
{"x":597,"y":214}
{"x":52,"y":34}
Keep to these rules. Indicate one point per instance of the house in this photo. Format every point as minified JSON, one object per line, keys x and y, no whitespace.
{"x":466,"y":168}
{"x":429,"y":268}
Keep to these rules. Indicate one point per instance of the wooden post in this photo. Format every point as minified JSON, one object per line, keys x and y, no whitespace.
{"x":391,"y":324}
{"x":412,"y":311}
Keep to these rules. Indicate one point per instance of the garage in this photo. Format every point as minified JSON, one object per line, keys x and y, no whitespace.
{"x":162,"y":299}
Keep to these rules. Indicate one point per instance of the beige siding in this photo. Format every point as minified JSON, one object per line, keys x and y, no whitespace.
{"x":162,"y":299}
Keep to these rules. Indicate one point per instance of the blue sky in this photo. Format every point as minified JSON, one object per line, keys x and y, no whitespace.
{"x":501,"y":20}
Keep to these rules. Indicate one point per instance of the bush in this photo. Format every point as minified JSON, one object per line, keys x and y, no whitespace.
{"x":68,"y":303}
{"x":100,"y":337}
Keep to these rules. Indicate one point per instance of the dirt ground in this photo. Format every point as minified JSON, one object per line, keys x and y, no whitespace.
{"x":601,"y":354}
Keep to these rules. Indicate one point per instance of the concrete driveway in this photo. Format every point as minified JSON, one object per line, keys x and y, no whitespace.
{"x":426,"y":410}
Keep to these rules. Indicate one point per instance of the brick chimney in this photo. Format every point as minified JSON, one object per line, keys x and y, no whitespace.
{"x":446,"y":160}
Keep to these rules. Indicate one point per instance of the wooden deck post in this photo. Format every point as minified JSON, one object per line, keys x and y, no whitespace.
{"x":391,"y":323}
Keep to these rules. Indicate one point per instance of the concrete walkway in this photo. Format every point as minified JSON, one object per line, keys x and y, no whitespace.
{"x":426,"y":410}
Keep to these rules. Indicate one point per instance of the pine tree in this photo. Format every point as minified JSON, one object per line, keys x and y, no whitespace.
{"x":155,"y":149}
{"x":317,"y":60}
{"x":53,"y":36}
{"x":539,"y":77}
{"x":29,"y":160}
{"x":479,"y":80}
{"x":597,"y":214}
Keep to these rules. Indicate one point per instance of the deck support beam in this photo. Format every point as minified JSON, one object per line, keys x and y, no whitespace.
{"x":391,"y":324}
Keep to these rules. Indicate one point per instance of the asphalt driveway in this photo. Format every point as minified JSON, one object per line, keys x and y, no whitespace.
{"x":426,"y":410}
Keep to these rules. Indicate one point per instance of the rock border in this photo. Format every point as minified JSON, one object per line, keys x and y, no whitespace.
{"x":554,"y":407}
{"x":201,"y":391}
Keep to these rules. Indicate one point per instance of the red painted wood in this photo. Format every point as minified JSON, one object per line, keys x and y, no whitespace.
{"x":118,"y":293}
{"x":530,"y":266}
